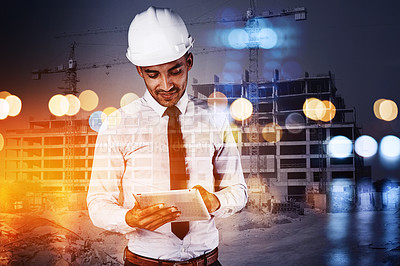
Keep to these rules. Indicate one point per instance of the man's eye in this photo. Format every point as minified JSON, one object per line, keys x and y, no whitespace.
{"x":176,"y":72}
{"x":153,"y":76}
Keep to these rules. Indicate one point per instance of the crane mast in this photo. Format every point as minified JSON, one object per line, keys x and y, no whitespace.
{"x":253,"y":28}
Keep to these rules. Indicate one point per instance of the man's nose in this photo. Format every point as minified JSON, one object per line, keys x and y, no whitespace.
{"x":166,"y":83}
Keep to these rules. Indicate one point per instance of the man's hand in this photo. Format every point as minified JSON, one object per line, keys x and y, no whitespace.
{"x":211,"y":201}
{"x":152,"y":217}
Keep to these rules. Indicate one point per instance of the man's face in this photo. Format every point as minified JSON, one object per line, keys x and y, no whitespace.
{"x":167,"y":82}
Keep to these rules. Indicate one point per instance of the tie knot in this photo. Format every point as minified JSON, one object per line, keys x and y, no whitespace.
{"x":172,"y":111}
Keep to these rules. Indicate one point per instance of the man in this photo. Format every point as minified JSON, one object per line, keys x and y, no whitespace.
{"x":139,"y":154}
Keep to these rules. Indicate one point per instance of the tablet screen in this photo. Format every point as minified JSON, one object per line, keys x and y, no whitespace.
{"x":188,"y":202}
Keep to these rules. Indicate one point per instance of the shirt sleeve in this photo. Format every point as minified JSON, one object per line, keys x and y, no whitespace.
{"x":231,"y":188}
{"x":103,"y":199}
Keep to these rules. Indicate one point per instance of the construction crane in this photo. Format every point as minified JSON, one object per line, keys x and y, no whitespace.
{"x":70,"y":71}
{"x":71,"y":80}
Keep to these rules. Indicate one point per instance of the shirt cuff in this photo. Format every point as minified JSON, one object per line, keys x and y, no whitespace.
{"x":223,"y":203}
{"x":122,"y":226}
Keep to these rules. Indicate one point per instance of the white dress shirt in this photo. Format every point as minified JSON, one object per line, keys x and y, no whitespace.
{"x":131,"y":156}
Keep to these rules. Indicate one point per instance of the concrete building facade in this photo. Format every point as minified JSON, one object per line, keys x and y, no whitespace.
{"x":54,"y":156}
{"x":298,"y":165}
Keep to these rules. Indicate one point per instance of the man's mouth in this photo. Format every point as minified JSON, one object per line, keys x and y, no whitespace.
{"x":168,"y":95}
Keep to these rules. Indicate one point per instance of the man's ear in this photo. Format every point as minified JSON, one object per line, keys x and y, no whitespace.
{"x":139,"y":70}
{"x":189,"y":60}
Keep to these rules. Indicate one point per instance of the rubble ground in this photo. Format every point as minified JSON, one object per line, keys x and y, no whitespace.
{"x":70,"y":238}
{"x":65,"y":238}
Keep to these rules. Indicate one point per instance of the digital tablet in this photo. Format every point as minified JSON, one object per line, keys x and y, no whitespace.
{"x":188,"y":202}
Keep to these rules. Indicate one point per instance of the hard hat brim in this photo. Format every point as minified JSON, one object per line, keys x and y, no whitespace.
{"x":154,"y":59}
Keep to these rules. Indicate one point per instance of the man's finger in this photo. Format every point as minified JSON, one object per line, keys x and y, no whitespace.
{"x":163,"y":220}
{"x":151,"y":209}
{"x":200,"y":189}
{"x":158,"y":216}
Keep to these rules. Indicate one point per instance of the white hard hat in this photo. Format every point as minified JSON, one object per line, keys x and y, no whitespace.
{"x":157,"y":36}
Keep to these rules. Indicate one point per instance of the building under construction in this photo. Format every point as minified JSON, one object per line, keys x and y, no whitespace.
{"x":295,"y":165}
{"x":57,"y":154}
{"x":54,"y":158}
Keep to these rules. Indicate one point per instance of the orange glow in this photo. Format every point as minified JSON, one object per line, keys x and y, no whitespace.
{"x":330,"y":111}
{"x":15,"y":105}
{"x":4,"y":109}
{"x":1,"y":142}
{"x":241,"y":109}
{"x":74,"y":104}
{"x":377,"y":106}
{"x":388,"y":110}
{"x":385,"y":109}
{"x":128,"y":98}
{"x":217,"y":100}
{"x":4,"y":94}
{"x":89,"y":100}
{"x":58,"y":105}
{"x":113,"y":116}
{"x":272,"y":132}
{"x":314,"y":109}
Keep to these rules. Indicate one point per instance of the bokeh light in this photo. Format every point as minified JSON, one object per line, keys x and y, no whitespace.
{"x":1,"y":142}
{"x":58,"y":105}
{"x":295,"y":123}
{"x":15,"y":105}
{"x":267,"y":38}
{"x":95,"y":121}
{"x":89,"y":100}
{"x":390,"y":147}
{"x":330,"y":111}
{"x":217,"y":100}
{"x":73,"y":104}
{"x":128,"y":98}
{"x":366,"y":146}
{"x":4,"y":109}
{"x":377,"y":105}
{"x":4,"y":94}
{"x":385,"y":109}
{"x":112,"y":115}
{"x":238,"y":39}
{"x":272,"y":132}
{"x":241,"y":109}
{"x":340,"y":147}
{"x":314,"y":108}
{"x":388,"y":110}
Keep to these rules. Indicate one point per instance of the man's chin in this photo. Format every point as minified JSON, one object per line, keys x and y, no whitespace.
{"x":168,"y":102}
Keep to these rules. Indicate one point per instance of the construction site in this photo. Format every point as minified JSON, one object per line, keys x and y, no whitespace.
{"x":294,"y":165}
{"x":292,"y":174}
{"x":284,"y":153}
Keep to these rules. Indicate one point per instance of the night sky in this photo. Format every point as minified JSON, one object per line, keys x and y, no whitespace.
{"x":358,"y":41}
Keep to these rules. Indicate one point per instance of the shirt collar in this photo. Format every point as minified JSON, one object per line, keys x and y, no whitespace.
{"x":159,"y":109}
